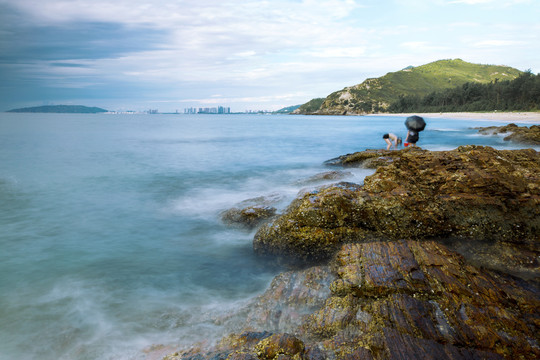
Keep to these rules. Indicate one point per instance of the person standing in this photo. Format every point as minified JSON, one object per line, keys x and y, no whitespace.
{"x":412,"y":138}
{"x":414,"y":125}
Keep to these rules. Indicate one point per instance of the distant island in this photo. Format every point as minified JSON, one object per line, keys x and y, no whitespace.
{"x":66,"y":109}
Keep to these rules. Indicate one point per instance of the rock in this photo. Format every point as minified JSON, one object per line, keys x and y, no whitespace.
{"x":252,"y":212}
{"x":420,"y":300}
{"x":395,"y":300}
{"x":280,"y":346}
{"x":370,"y":159}
{"x":314,"y":225}
{"x":473,"y":192}
{"x":521,"y":134}
{"x":290,"y":296}
{"x":521,"y":260}
{"x":326,"y":176}
{"x":265,"y":200}
{"x":248,"y":217}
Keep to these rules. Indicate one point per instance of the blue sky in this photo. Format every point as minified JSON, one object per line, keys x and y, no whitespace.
{"x":246,"y":54}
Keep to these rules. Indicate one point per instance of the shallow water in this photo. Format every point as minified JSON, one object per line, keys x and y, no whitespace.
{"x":110,"y":234}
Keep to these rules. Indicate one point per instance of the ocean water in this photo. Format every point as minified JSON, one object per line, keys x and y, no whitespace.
{"x":110,"y":232}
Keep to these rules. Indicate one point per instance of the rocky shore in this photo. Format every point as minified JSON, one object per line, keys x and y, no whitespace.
{"x":520,"y":134}
{"x":435,"y":256}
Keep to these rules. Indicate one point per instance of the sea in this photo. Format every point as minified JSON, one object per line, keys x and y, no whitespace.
{"x":111,"y":238}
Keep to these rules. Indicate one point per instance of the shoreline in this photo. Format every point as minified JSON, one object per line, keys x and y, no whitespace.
{"x":521,"y":117}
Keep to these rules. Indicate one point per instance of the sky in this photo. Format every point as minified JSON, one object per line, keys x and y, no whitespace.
{"x":244,"y":54}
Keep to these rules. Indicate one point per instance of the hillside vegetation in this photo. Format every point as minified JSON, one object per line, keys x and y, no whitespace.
{"x":376,"y":94}
{"x":520,"y":94}
{"x":287,"y":110}
{"x":310,"y":107}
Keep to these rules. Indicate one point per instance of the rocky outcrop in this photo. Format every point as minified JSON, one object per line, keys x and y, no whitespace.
{"x":325,"y":176}
{"x":369,"y":159}
{"x":248,"y":217}
{"x":389,"y":282}
{"x":388,"y":300}
{"x":252,"y":212}
{"x":473,"y":192}
{"x":520,"y":134}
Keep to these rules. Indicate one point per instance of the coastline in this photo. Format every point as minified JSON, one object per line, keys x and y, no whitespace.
{"x":518,"y":117}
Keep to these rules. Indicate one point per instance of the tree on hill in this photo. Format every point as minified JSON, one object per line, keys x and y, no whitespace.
{"x":520,"y":94}
{"x":376,"y":94}
{"x":310,"y":107}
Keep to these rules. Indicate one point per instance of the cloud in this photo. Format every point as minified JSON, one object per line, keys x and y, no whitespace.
{"x":504,"y":3}
{"x":498,"y":42}
{"x":192,"y":49}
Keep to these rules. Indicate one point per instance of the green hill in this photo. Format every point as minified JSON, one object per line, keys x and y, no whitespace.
{"x":287,"y":110}
{"x":67,"y":109}
{"x":376,"y":94}
{"x":310,"y":107}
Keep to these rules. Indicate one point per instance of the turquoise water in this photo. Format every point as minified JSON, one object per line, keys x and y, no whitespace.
{"x":110,"y":234}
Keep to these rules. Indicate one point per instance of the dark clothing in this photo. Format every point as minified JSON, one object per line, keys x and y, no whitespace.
{"x":385,"y":136}
{"x":412,"y":138}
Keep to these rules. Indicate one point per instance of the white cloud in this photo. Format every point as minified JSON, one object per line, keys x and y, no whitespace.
{"x":498,"y":42}
{"x":280,"y":46}
{"x":504,"y":3}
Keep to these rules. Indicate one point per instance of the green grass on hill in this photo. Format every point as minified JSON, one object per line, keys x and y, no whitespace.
{"x":376,"y":94}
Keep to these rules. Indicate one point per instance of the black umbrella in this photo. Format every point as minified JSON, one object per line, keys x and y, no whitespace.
{"x":415,"y":123}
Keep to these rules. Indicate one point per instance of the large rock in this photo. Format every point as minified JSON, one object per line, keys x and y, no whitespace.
{"x":520,"y":134}
{"x":249,"y":216}
{"x":370,"y":159}
{"x":387,"y":300}
{"x":473,"y":192}
{"x":325,"y":177}
{"x":250,"y":213}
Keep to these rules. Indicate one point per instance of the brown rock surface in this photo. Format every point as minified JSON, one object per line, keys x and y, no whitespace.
{"x":473,"y":192}
{"x":404,"y":296}
{"x":250,"y":213}
{"x":521,"y":134}
{"x":370,"y":159}
{"x":249,"y":216}
{"x":326,"y":176}
{"x":393,"y":300}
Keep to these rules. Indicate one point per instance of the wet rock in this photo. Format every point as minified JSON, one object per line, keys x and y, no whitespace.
{"x":473,"y":192}
{"x":264,"y":200}
{"x":248,"y":217}
{"x":520,"y":134}
{"x":326,"y":176}
{"x":280,"y":346}
{"x":397,"y":300}
{"x":370,"y":159}
{"x":521,"y":260}
{"x":290,"y":296}
{"x":314,"y":225}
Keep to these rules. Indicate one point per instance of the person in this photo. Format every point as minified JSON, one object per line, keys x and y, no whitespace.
{"x":391,"y":139}
{"x":412,"y":138}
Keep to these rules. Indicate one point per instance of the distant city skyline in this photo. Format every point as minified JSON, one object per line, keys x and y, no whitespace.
{"x":208,"y":110}
{"x":250,"y":54}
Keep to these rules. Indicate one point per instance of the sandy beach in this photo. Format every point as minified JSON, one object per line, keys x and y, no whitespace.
{"x":511,"y":117}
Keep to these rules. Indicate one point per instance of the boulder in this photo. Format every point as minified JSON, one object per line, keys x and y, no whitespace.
{"x":369,"y":159}
{"x":389,"y":300}
{"x":249,"y":216}
{"x":326,"y":176}
{"x":473,"y":192}
{"x":520,"y":134}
